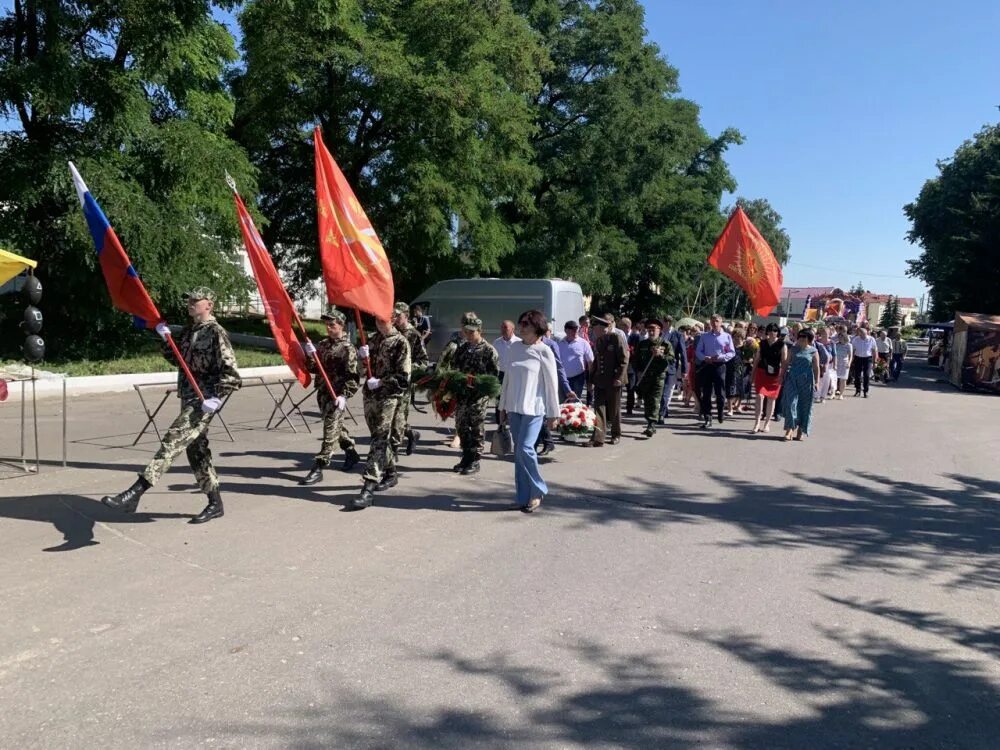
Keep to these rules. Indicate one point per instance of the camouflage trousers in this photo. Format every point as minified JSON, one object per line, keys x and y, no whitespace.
{"x":335,"y":433}
{"x":401,"y":424}
{"x":652,"y":394}
{"x":188,"y":432}
{"x":470,"y":424}
{"x":381,"y":415}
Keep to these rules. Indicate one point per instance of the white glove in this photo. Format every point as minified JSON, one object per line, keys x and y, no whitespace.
{"x":373,"y":384}
{"x":309,"y":348}
{"x":163,"y":329}
{"x":211,"y":405}
{"x":341,"y":403}
{"x":363,"y":352}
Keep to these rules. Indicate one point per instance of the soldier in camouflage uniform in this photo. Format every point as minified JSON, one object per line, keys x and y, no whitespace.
{"x":204,"y":345}
{"x":419,"y":361}
{"x":340,"y":362}
{"x":652,"y":357}
{"x":474,"y":357}
{"x":384,"y":392}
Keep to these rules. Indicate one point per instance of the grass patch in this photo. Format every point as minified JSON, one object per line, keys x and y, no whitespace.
{"x":149,"y":359}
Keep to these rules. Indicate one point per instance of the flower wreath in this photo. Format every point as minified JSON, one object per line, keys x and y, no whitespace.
{"x":445,"y":387}
{"x":576,"y":421}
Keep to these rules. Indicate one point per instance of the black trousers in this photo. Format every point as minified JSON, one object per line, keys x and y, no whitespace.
{"x":861,"y":372}
{"x":712,"y":377}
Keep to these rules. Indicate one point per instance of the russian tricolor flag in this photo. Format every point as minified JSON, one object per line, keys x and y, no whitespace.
{"x":126,"y":289}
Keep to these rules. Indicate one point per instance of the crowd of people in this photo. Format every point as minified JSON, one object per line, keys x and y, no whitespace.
{"x":718,"y":369}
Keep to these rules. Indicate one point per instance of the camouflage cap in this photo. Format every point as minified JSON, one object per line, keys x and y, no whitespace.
{"x":200,"y":292}
{"x":471,"y":323}
{"x":333,"y":315}
{"x":401,"y":308}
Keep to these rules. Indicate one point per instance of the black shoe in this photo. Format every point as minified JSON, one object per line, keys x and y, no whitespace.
{"x":857,"y":393}
{"x":388,"y":482}
{"x":866,"y":394}
{"x":315,"y":475}
{"x":411,"y":440}
{"x":546,"y":449}
{"x":365,"y":499}
{"x":649,"y":431}
{"x":472,"y":467}
{"x":721,"y":418}
{"x":351,"y":459}
{"x":662,"y":420}
{"x":466,"y":460}
{"x":614,"y":441}
{"x":214,"y":509}
{"x":128,"y":500}
{"x":706,"y":422}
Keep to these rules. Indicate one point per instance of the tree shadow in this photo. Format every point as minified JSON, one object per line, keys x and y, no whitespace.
{"x":875,"y":693}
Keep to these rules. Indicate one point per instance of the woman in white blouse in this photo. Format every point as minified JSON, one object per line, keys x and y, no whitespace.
{"x":528,"y":397}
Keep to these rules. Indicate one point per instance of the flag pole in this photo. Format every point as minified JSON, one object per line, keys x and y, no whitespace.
{"x":184,"y":367}
{"x":364,"y":340}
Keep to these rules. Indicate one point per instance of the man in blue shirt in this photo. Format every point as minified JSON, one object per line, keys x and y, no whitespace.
{"x":711,"y":352}
{"x":576,"y":355}
{"x":677,"y":367}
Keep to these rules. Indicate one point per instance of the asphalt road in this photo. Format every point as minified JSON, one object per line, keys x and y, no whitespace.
{"x":710,"y":590}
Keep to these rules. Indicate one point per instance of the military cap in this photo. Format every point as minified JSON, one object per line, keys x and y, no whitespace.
{"x":333,"y":315}
{"x":401,"y":308}
{"x":654,"y":322}
{"x":471,"y":323}
{"x":596,"y":320}
{"x":200,"y":292}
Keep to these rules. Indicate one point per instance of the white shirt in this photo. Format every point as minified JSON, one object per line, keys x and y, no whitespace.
{"x":884,"y":346}
{"x":502,"y":346}
{"x":529,"y":384}
{"x":863,"y":347}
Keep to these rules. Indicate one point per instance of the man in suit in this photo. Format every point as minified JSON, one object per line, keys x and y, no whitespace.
{"x":677,"y":368}
{"x":608,"y":373}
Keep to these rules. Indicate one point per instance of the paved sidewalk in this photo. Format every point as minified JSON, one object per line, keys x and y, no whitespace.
{"x":700,"y":589}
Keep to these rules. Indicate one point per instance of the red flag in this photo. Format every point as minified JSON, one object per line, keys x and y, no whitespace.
{"x":355,"y":267}
{"x":742,"y":254}
{"x":277,"y":304}
{"x":124,"y":285}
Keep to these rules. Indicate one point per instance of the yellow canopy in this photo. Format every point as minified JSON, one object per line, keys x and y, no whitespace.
{"x":11,"y":265}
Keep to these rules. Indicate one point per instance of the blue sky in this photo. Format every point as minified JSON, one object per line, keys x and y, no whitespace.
{"x":846,"y":108}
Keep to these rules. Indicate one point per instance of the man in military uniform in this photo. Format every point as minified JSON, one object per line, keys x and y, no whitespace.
{"x":384,"y":392}
{"x":474,"y":357}
{"x":607,"y":373}
{"x":652,"y":357}
{"x":419,"y":361}
{"x":205,"y":347}
{"x":340,"y":361}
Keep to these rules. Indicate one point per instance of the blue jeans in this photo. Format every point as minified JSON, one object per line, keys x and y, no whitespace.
{"x":528,"y":482}
{"x":896,"y":366}
{"x":578,"y":384}
{"x":668,"y":389}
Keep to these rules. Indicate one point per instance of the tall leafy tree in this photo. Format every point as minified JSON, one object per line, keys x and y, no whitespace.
{"x":956,"y":220}
{"x":628,"y":203}
{"x":133,"y":92}
{"x":424,"y":104}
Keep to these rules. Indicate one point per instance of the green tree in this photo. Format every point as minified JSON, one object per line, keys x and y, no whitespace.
{"x":956,"y":220}
{"x":132,"y":91}
{"x":858,"y":289}
{"x":628,"y":203}
{"x":424,"y":104}
{"x":890,"y":313}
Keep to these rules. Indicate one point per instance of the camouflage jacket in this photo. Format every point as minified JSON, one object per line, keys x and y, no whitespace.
{"x":340,"y":360}
{"x":650,"y":364}
{"x":390,"y":360}
{"x":476,"y":359}
{"x":418,"y":351}
{"x":210,"y":357}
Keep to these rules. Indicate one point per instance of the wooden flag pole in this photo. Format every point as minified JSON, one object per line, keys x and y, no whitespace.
{"x":316,"y":359}
{"x":184,"y":367}
{"x":364,"y":340}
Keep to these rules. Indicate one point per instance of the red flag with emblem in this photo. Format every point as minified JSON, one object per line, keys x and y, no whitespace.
{"x":742,"y":254}
{"x":277,"y":304}
{"x":355,"y":267}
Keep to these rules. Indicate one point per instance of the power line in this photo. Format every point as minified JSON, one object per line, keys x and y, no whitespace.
{"x":849,"y":271}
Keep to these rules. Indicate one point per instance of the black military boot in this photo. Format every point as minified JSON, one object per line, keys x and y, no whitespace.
{"x":128,"y":500}
{"x":411,"y":440}
{"x":650,"y":430}
{"x":389,"y":481}
{"x":212,"y":510}
{"x":351,"y":459}
{"x":365,"y":499}
{"x":466,"y":460}
{"x":473,"y":466}
{"x":315,"y":475}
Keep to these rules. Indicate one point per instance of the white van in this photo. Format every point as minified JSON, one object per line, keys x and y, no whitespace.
{"x":494,"y":301}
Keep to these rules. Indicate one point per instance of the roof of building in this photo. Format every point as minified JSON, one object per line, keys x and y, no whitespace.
{"x":903,"y":301}
{"x":801,"y":292}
